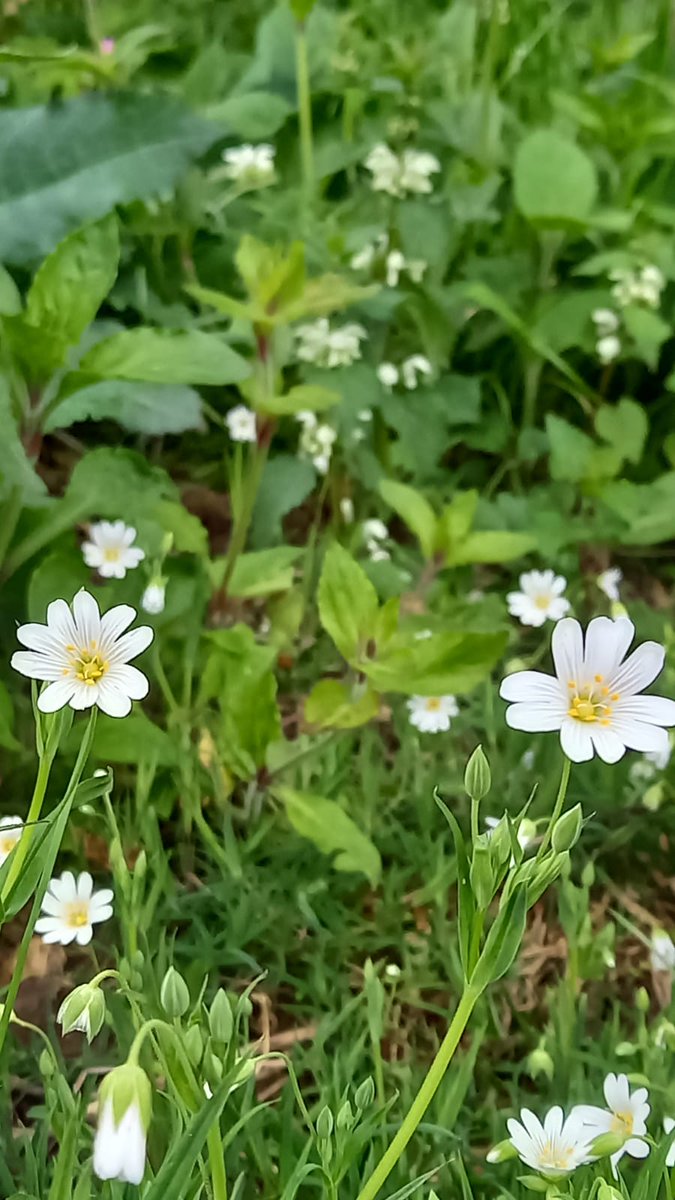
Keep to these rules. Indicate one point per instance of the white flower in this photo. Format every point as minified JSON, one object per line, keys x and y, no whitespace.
{"x":641,"y":287}
{"x":347,"y":509}
{"x":540,"y":598}
{"x":318,"y":343}
{"x":376,"y":530}
{"x":625,"y":1115}
{"x":83,"y":1011}
{"x":109,"y":549}
{"x":555,"y":1148}
{"x":416,"y":268}
{"x":124,"y":1113}
{"x":394,"y":264}
{"x":608,"y":348}
{"x":661,"y":951}
{"x":387,"y":374}
{"x":608,"y":582}
{"x":316,"y":441}
{"x":154,"y":597}
{"x":73,"y":908}
{"x":414,"y":366}
{"x":84,"y":656}
{"x":432,"y":714}
{"x":399,"y":174}
{"x":605,"y":321}
{"x":594,"y":698}
{"x":668,"y":1127}
{"x":241,"y":424}
{"x":10,"y":832}
{"x":250,"y":166}
{"x":363,"y":259}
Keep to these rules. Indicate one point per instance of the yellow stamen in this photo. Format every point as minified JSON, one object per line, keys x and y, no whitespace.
{"x":89,"y":667}
{"x":433,"y":704}
{"x":622,"y":1122}
{"x":599,"y":678}
{"x":77,"y":914}
{"x":111,"y":554}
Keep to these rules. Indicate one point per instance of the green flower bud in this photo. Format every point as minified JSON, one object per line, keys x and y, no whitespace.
{"x":588,"y":875}
{"x":345,"y":1117}
{"x":607,"y":1192}
{"x":83,"y":1010}
{"x":502,"y":1152}
{"x":221,"y":1021}
{"x":652,"y":799}
{"x":194,"y":1044}
{"x":173,"y":994}
{"x":324,"y":1123}
{"x":539,"y":1062}
{"x":567,"y":829}
{"x":500,"y":843}
{"x":46,"y":1064}
{"x":364,"y":1094}
{"x":606,"y":1144}
{"x":642,"y":1001}
{"x":477,"y":777}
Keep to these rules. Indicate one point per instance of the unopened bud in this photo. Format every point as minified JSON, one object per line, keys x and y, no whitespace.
{"x":539,"y":1062}
{"x":606,"y":1143}
{"x":364,"y":1094}
{"x":194,"y":1044}
{"x":652,"y":799}
{"x":502,"y":1152}
{"x":174,"y":994}
{"x":221,"y":1021}
{"x":83,"y":1011}
{"x":46,"y":1064}
{"x":588,"y":875}
{"x":345,"y":1117}
{"x":477,"y":777}
{"x":642,"y":1001}
{"x":324,"y":1123}
{"x":567,"y":829}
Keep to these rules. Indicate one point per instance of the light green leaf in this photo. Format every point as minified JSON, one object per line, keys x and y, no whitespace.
{"x":189,"y":535}
{"x":71,"y":162}
{"x":347,"y":602}
{"x":444,"y":664}
{"x":260,"y":572}
{"x":10,"y":297}
{"x":648,"y":330}
{"x":455,"y":523}
{"x":625,"y":426}
{"x":65,"y":297}
{"x":227,"y":305}
{"x":332,"y":704}
{"x":109,"y":481}
{"x":303,"y":398}
{"x":166,"y":356}
{"x":415,"y":510}
{"x":555,"y":183}
{"x":571,"y":450}
{"x":151,"y":408}
{"x":493,"y":547}
{"x":136,"y":739}
{"x":332,"y":830}
{"x":254,"y":115}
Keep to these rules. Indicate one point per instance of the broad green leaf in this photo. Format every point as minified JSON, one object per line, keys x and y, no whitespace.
{"x":227,"y":305}
{"x":109,"y":481}
{"x":233,"y":654}
{"x":253,"y":115}
{"x":65,"y":297}
{"x":151,"y":408}
{"x":74,"y":161}
{"x":303,"y":398}
{"x":332,"y":704}
{"x":190,"y":536}
{"x":555,"y":183}
{"x":415,"y":510}
{"x":625,"y":426}
{"x":493,"y":547}
{"x":648,"y":330}
{"x":571,"y":450}
{"x":166,"y":356}
{"x":455,"y":522}
{"x":648,"y":509}
{"x":327,"y":294}
{"x":16,"y":469}
{"x":250,"y":721}
{"x":332,"y":830}
{"x":444,"y":664}
{"x":10,"y":297}
{"x":286,"y":482}
{"x":136,"y":739}
{"x":261,"y":572}
{"x":347,"y":602}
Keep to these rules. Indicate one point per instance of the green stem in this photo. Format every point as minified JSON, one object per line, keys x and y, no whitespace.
{"x":21,"y":851}
{"x":10,"y":519}
{"x":304,"y":109}
{"x":217,"y":1163}
{"x":424,"y":1096}
{"x":557,"y":807}
{"x":242,"y":524}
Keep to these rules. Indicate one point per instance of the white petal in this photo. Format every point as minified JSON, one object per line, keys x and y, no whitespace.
{"x":103,"y":913}
{"x":61,"y":623}
{"x":37,"y":666}
{"x":639,"y":670}
{"x":52,"y":905}
{"x":531,"y":686}
{"x":553,"y":1122}
{"x":38,"y":637}
{"x":93,"y":556}
{"x":85,"y":885}
{"x":617,"y":1092}
{"x":84,"y":935}
{"x":131,"y":644}
{"x":129,"y":680}
{"x":636,"y":1148}
{"x":592,"y":1115}
{"x":48,"y":925}
{"x":108,"y":1147}
{"x":568,"y":650}
{"x":56,"y":935}
{"x":133,"y":1135}
{"x":533,"y":1125}
{"x":114,"y":622}
{"x":57,"y":695}
{"x":111,"y":700}
{"x":638,"y":735}
{"x":65,"y":888}
{"x":129,"y":535}
{"x":535,"y":718}
{"x":606,"y":644}
{"x":84,"y":696}
{"x":87,"y":618}
{"x":607,"y":743}
{"x":575,"y":739}
{"x":655,"y":710}
{"x":104,"y":896}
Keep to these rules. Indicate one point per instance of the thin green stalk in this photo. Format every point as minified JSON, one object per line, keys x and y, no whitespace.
{"x":424,"y":1096}
{"x":10,"y":519}
{"x":557,"y":807}
{"x":242,"y":524}
{"x":21,"y":851}
{"x":304,"y":109}
{"x":217,"y":1163}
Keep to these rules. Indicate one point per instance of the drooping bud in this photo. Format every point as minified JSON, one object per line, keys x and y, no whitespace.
{"x":124,"y":1115}
{"x":539,"y":1062}
{"x":83,"y":1011}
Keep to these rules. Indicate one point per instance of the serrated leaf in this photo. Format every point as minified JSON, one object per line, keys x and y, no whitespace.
{"x":73,"y":161}
{"x":332,"y":830}
{"x":166,"y":356}
{"x":150,"y":408}
{"x":347,"y":602}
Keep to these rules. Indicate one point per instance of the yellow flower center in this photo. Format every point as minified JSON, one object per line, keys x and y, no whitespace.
{"x":77,"y":914}
{"x":111,"y":554}
{"x":8,"y":842}
{"x":433,"y":704}
{"x":553,"y":1155}
{"x":543,"y":600}
{"x":622,"y":1122}
{"x":87,"y":664}
{"x":591,"y":701}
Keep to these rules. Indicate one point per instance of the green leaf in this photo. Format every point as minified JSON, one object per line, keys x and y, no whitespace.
{"x":648,"y":509}
{"x":455,"y":522}
{"x":166,"y":356}
{"x":305,"y":397}
{"x":555,"y":183}
{"x":347,"y":602}
{"x":172,"y":1180}
{"x":65,"y":297}
{"x":189,"y":535}
{"x":16,"y":469}
{"x":332,"y":704}
{"x":571,"y":450}
{"x":503,"y":941}
{"x":74,"y":161}
{"x":625,"y":426}
{"x":415,"y":510}
{"x":332,"y":830}
{"x":446,"y":663}
{"x":109,"y":481}
{"x":286,"y":482}
{"x":262,"y":572}
{"x":466,"y":905}
{"x":10,"y":297}
{"x":136,"y":739}
{"x":57,"y":575}
{"x":493,"y":547}
{"x":150,"y":408}
{"x":253,"y":116}
{"x":648,"y":330}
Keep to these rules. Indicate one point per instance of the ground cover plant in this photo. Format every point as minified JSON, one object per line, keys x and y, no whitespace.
{"x":337,"y":505}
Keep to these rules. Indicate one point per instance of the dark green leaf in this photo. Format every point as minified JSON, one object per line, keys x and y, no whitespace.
{"x":151,"y":408}
{"x":166,"y":356}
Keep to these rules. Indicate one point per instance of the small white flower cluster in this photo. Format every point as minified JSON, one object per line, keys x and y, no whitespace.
{"x":540,"y":598}
{"x":401,"y":174}
{"x":608,"y":344}
{"x":316,"y":441}
{"x":432,"y":714}
{"x":375,"y":534}
{"x":643,"y":286}
{"x":559,"y":1145}
{"x":250,"y":166}
{"x":410,"y":372}
{"x":395,"y":262}
{"x":241,"y":424}
{"x":325,"y":347}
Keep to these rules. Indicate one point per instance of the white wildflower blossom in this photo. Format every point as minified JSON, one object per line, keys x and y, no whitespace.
{"x":153,"y":599}
{"x":72,"y":908}
{"x":401,"y":174}
{"x":124,"y":1114}
{"x":241,"y":424}
{"x":413,"y":368}
{"x":432,"y":714}
{"x":250,"y":166}
{"x":318,"y":343}
{"x":626,"y":1114}
{"x":10,"y":833}
{"x":556,"y":1147}
{"x":605,"y":320}
{"x":661,"y":951}
{"x":540,"y":598}
{"x":608,"y":582}
{"x":316,"y":441}
{"x":608,"y":348}
{"x":109,"y":550}
{"x":387,"y":374}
